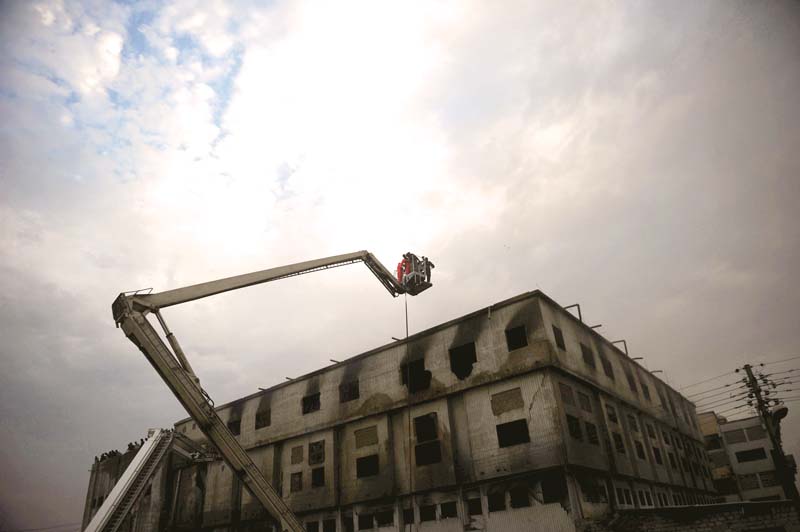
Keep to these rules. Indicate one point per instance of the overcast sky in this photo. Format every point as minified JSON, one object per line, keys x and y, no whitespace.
{"x":641,"y":158}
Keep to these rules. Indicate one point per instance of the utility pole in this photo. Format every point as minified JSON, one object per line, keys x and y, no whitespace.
{"x":781,"y":464}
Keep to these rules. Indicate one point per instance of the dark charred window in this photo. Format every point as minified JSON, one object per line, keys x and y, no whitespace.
{"x":566,"y":394}
{"x":593,"y":491}
{"x":462,"y":358}
{"x":297,"y":455}
{"x":657,"y":456}
{"x":650,"y":431}
{"x":311,"y":403}
{"x":317,"y":477}
{"x":519,"y":496}
{"x":235,"y":426}
{"x":348,"y":391}
{"x":585,"y":402}
{"x":384,"y":518}
{"x":448,"y":510}
{"x":588,"y":356}
{"x":646,"y":391}
{"x":513,"y":433}
{"x":554,"y":487}
{"x":608,"y":369}
{"x":630,"y":379}
{"x":347,"y":522}
{"x":591,"y":433}
{"x":316,"y":452}
{"x":367,"y":466}
{"x":312,"y":526}
{"x":408,"y":516}
{"x":474,"y":506}
{"x":425,"y":427}
{"x":428,"y":453}
{"x":639,"y":449}
{"x":427,"y":513}
{"x":263,"y":418}
{"x":612,"y":414}
{"x":620,"y":496}
{"x":619,"y":445}
{"x":516,"y":338}
{"x":574,"y":427}
{"x":296,"y":482}
{"x":648,"y":498}
{"x":365,"y":522}
{"x":329,"y":525}
{"x":641,"y":497}
{"x":678,"y":443}
{"x":415,"y":376}
{"x":497,"y":501}
{"x":628,"y":497}
{"x":559,"y":338}
{"x":634,"y":426}
{"x":751,"y":455}
{"x":666,"y":437}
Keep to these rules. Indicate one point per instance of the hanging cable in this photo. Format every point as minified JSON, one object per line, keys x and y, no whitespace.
{"x":707,"y":380}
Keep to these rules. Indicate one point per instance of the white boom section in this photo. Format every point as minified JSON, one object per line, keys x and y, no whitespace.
{"x":130,"y":312}
{"x":131,"y":480}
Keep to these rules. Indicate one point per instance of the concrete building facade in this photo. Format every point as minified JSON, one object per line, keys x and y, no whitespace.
{"x":514,"y":416}
{"x":741,"y":454}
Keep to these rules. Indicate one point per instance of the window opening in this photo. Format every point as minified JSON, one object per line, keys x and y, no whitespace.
{"x":297,"y":482}
{"x":585,"y":402}
{"x":415,"y":376}
{"x":516,"y":338}
{"x":566,"y":394}
{"x":448,"y":510}
{"x":348,"y":391}
{"x":263,"y":418}
{"x":427,"y":513}
{"x":513,"y":433}
{"x":559,"y":338}
{"x":316,"y":452}
{"x":574,"y":427}
{"x":317,"y":477}
{"x":367,"y":466}
{"x":591,"y":433}
{"x":588,"y":356}
{"x":497,"y":501}
{"x":311,"y":403}
{"x":462,"y":359}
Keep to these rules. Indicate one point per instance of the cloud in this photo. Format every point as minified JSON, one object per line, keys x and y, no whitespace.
{"x":635,"y":158}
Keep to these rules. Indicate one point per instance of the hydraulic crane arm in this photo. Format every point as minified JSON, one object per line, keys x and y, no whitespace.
{"x":130,"y":313}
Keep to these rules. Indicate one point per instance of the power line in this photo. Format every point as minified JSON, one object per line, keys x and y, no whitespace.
{"x":707,"y":380}
{"x":781,"y":361}
{"x":712,"y":389}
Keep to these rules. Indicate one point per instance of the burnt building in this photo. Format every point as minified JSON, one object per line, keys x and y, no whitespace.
{"x":516,"y":416}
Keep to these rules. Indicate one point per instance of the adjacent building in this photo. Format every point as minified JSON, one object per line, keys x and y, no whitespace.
{"x":515,"y":416}
{"x":741,"y":455}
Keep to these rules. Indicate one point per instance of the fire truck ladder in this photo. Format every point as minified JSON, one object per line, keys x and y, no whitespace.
{"x":126,"y":491}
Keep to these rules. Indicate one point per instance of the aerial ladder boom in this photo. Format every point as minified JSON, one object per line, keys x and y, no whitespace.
{"x":130,"y":313}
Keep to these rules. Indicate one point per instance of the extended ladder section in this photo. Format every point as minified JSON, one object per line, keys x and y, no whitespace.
{"x":126,"y":491}
{"x":130,"y":313}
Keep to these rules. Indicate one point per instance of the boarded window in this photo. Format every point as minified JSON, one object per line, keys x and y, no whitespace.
{"x":366,"y":436}
{"x":425,"y":427}
{"x":559,"y":338}
{"x":574,"y":427}
{"x":749,"y":482}
{"x":507,"y":401}
{"x":519,"y":496}
{"x":513,"y":433}
{"x":566,"y":394}
{"x":639,"y":450}
{"x":448,"y":510}
{"x":497,"y":501}
{"x":516,"y":338}
{"x":263,"y":418}
{"x":384,"y":518}
{"x":756,"y":433}
{"x":751,"y":455}
{"x":297,"y":481}
{"x":311,"y":403}
{"x":317,"y":477}
{"x":608,"y":369}
{"x":235,"y":426}
{"x":348,"y":391}
{"x":316,"y":452}
{"x":585,"y":402}
{"x":619,"y":444}
{"x":474,"y":506}
{"x":591,"y":433}
{"x":297,"y":454}
{"x":612,"y":414}
{"x":367,"y":466}
{"x":588,"y":356}
{"x":462,"y":358}
{"x":427,"y":513}
{"x":414,"y":375}
{"x":768,"y":479}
